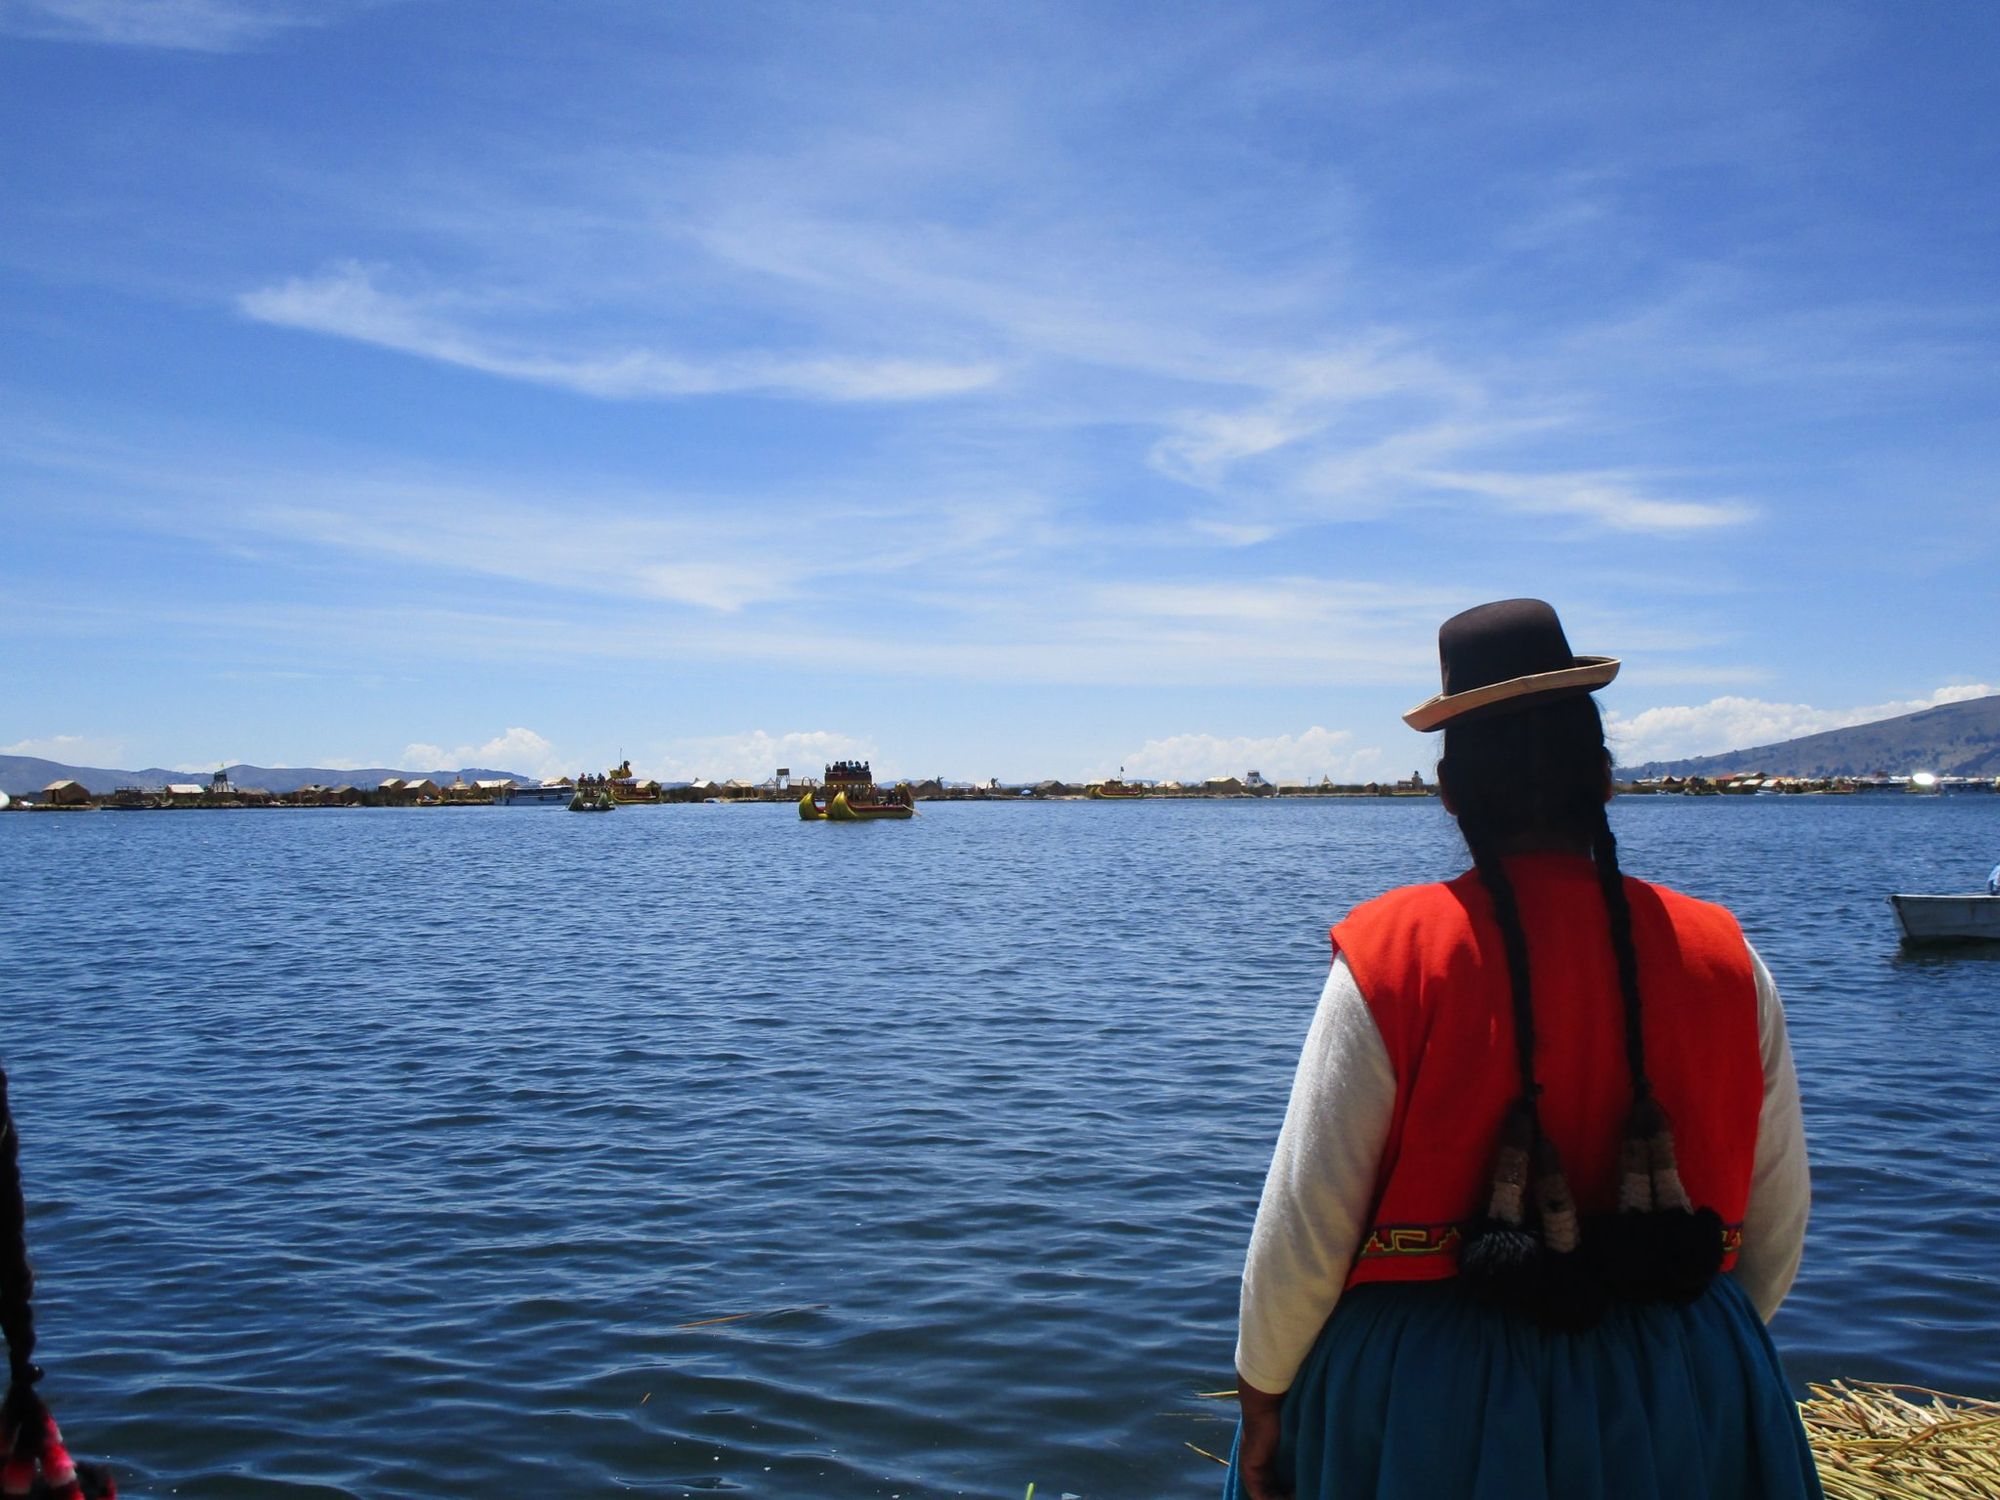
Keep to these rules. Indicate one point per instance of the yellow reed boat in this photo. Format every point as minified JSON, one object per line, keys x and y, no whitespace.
{"x":1117,"y":789}
{"x":849,"y":795}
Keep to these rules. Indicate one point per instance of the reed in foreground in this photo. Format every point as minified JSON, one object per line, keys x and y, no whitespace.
{"x":1902,"y":1442}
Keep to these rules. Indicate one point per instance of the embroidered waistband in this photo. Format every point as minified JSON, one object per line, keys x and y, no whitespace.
{"x":1438,"y":1239}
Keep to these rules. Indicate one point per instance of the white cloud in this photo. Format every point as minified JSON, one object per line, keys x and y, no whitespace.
{"x":180,"y":25}
{"x":517,"y":749}
{"x":1306,"y":756}
{"x":753,"y":755}
{"x":1611,"y":500}
{"x":70,"y":750}
{"x":346,"y":303}
{"x":1732,"y":723}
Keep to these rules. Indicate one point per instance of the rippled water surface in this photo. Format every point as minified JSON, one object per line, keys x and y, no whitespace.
{"x":398,"y":1154}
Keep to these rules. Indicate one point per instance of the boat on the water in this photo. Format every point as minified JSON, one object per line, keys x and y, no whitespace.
{"x":593,"y":799}
{"x":849,"y":795}
{"x":628,"y":787}
{"x":1947,"y":919}
{"x":1117,"y":789}
{"x":555,"y":793}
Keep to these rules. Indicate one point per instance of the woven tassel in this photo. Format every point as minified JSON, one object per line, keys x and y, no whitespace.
{"x":1554,"y":1205}
{"x":1668,"y":1191}
{"x":1667,"y":1250}
{"x":1635,"y":1174}
{"x":1569,"y":1294}
{"x":1500,"y":1253}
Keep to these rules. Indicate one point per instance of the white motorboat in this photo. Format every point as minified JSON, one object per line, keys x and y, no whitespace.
{"x":1947,"y":919}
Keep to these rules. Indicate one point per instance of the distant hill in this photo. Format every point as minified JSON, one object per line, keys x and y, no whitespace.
{"x":28,"y":774}
{"x":1957,"y":739}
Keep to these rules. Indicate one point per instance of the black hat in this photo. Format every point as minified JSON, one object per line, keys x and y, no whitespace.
{"x":1513,"y":652}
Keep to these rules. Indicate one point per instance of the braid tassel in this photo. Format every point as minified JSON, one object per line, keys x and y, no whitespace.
{"x":1500,"y":1253}
{"x":1661,"y":1248}
{"x":1570,"y":1294}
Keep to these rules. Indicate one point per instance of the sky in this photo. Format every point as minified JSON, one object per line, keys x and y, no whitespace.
{"x":1009,"y":390}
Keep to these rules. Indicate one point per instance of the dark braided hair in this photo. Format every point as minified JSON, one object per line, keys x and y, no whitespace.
{"x":1541,"y":773}
{"x":1541,"y":776}
{"x":17,"y":1277}
{"x":32,"y":1443}
{"x":1537,"y":775}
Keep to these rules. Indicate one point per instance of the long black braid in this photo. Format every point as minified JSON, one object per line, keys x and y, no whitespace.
{"x":1536,"y":776}
{"x":17,"y":1278}
{"x":1514,"y":940}
{"x":1604,"y":851}
{"x":31,"y":1438}
{"x":1541,"y":773}
{"x":1542,"y":776}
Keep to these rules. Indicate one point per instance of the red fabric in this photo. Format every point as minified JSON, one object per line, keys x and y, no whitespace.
{"x":1428,"y":960}
{"x":50,"y":1461}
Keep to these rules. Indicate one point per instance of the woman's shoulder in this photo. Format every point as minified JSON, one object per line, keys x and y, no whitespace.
{"x":1410,"y":903}
{"x":1408,"y":920}
{"x":1680,"y":907}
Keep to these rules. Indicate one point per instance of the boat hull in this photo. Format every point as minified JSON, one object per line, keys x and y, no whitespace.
{"x":1947,"y":919}
{"x":840,"y":810}
{"x":537,"y":796}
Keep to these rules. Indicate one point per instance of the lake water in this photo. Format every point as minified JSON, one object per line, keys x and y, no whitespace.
{"x":399,"y":1154}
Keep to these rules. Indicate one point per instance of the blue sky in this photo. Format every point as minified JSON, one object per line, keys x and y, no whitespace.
{"x":993,"y":389}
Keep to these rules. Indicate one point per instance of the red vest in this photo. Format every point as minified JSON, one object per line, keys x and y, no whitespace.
{"x":1429,"y":961}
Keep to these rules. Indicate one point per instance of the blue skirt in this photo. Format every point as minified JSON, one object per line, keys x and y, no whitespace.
{"x":1414,"y":1389}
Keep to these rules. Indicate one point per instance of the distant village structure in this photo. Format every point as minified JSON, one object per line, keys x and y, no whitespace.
{"x":219,"y":792}
{"x":1960,"y":741}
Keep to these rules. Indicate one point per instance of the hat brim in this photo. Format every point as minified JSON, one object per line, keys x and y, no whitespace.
{"x":1589,"y":673}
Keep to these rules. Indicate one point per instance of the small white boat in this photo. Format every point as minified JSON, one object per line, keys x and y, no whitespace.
{"x":1947,"y":919}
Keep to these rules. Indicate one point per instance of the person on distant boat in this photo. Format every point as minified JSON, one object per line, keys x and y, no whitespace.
{"x":1543,"y":1175}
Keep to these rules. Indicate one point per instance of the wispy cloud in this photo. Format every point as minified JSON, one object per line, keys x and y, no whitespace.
{"x":1614,"y":500}
{"x":346,"y":302}
{"x":179,"y":25}
{"x":1733,"y":723}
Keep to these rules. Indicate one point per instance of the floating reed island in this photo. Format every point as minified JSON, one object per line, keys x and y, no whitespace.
{"x":623,"y":787}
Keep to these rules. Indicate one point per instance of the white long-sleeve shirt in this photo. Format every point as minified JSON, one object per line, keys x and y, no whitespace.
{"x":1323,"y":1178}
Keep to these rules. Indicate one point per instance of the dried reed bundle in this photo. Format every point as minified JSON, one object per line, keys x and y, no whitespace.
{"x":1902,"y":1442}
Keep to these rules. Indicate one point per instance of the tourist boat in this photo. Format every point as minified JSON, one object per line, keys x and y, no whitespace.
{"x":849,"y":795}
{"x":626,"y":787}
{"x":1947,"y":919}
{"x":547,"y":794}
{"x":593,"y":799}
{"x":1117,"y":789}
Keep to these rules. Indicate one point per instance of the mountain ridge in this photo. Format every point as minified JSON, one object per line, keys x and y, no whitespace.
{"x":27,"y":774}
{"x":1953,"y":739}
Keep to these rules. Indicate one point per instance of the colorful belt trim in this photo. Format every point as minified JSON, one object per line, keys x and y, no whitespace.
{"x":1438,"y":1239}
